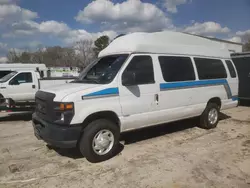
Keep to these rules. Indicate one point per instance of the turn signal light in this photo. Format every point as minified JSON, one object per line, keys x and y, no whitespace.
{"x":66,"y":106}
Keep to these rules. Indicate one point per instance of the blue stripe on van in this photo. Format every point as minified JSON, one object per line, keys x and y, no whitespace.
{"x":200,"y":83}
{"x":235,"y":98}
{"x":103,"y":93}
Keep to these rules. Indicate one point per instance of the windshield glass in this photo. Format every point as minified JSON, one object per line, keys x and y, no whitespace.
{"x":7,"y":77}
{"x":102,"y":71}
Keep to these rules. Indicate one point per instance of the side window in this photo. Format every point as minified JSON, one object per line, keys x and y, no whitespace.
{"x":176,"y":69}
{"x":142,"y":66}
{"x":210,"y":68}
{"x":25,"y":77}
{"x":231,"y":68}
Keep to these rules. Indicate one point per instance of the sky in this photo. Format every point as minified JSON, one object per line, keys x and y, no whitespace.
{"x":32,"y":24}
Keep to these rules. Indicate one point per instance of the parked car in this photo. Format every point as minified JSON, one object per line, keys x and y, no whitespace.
{"x":139,"y":80}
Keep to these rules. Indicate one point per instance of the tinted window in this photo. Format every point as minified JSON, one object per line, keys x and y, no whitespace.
{"x":231,"y":68}
{"x":8,"y":76}
{"x":102,"y":71}
{"x":22,"y":78}
{"x":176,"y":68}
{"x":210,"y":68}
{"x":4,"y":73}
{"x":142,"y":66}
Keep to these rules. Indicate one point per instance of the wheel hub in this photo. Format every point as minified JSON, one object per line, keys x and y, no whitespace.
{"x":213,"y":116}
{"x":103,"y":142}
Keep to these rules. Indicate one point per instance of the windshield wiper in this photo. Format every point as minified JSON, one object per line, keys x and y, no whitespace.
{"x":86,"y":81}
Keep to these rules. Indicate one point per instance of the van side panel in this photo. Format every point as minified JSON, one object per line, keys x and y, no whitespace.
{"x":184,"y":99}
{"x":106,"y":99}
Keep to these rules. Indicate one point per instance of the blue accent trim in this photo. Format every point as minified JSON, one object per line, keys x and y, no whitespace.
{"x":192,"y":84}
{"x":200,"y":83}
{"x":235,"y":98}
{"x":104,"y":92}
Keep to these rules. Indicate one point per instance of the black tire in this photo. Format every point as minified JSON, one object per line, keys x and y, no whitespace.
{"x":204,"y":118}
{"x":85,"y":144}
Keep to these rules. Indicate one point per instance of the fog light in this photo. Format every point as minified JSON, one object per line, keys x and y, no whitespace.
{"x":62,"y":116}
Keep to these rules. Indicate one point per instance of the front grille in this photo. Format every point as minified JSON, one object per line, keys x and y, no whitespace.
{"x":45,"y":105}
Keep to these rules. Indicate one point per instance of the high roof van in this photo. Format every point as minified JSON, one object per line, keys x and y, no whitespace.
{"x":139,"y":80}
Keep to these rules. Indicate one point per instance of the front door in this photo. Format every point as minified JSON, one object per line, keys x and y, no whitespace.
{"x":138,"y":101}
{"x":22,"y":87}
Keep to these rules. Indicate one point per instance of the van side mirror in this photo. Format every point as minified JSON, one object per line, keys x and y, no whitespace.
{"x":129,"y":78}
{"x":14,"y":82}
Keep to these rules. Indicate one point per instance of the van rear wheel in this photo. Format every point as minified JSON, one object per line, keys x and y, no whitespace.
{"x":210,"y":117}
{"x":100,"y":140}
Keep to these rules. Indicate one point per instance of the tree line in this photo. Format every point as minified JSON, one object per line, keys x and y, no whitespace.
{"x":79,"y":55}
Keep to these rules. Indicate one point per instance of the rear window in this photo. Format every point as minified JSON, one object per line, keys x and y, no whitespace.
{"x":176,"y":69}
{"x":231,"y":69}
{"x":4,"y":73}
{"x":210,"y":68}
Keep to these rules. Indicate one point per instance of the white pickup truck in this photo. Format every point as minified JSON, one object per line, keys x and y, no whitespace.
{"x":21,"y":86}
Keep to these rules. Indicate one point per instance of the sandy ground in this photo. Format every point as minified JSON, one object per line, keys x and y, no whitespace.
{"x":173,"y":155}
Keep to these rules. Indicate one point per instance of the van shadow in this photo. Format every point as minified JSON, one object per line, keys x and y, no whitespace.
{"x":163,"y":129}
{"x":141,"y":135}
{"x":74,"y":153}
{"x":26,"y":116}
{"x":159,"y":130}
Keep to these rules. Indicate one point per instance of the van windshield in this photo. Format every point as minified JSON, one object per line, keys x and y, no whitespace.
{"x":102,"y":71}
{"x":7,"y":77}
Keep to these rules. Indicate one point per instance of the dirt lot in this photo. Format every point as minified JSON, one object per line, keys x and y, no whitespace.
{"x":173,"y":155}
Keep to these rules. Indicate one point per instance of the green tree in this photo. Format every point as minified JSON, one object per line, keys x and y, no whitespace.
{"x":246,"y":46}
{"x":101,"y":43}
{"x":25,"y":57}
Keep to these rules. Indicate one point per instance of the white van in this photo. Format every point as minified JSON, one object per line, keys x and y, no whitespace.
{"x":139,"y":80}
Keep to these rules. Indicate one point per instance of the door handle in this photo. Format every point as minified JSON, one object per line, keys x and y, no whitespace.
{"x":2,"y":87}
{"x":33,"y":86}
{"x":157,"y":99}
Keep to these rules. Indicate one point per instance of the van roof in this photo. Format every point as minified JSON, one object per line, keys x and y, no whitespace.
{"x":166,"y":42}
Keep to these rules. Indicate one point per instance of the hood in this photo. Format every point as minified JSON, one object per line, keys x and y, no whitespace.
{"x":63,"y":90}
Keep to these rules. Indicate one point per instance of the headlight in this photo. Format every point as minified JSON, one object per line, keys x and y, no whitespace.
{"x":62,"y":116}
{"x":64,"y":112}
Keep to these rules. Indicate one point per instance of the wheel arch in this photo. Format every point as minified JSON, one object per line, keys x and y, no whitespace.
{"x":215,"y":100}
{"x":110,"y":115}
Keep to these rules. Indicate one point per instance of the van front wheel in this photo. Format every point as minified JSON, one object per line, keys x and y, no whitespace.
{"x":100,"y":140}
{"x":210,"y":117}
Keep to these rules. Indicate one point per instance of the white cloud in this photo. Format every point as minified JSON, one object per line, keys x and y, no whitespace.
{"x":206,"y":28}
{"x":130,"y":15}
{"x":25,"y":28}
{"x":54,"y":27}
{"x":235,"y":39}
{"x":244,"y":35}
{"x":3,"y":59}
{"x":78,"y":35}
{"x":11,"y":12}
{"x":25,"y":25}
{"x":171,"y":5}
